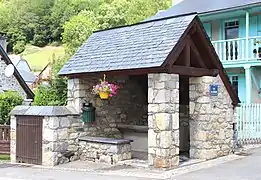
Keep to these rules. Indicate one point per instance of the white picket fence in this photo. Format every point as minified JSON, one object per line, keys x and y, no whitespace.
{"x":248,"y":123}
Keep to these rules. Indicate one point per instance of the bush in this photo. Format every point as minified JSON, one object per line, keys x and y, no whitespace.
{"x":19,"y":47}
{"x":45,"y":96}
{"x":39,"y":40}
{"x":56,"y":93}
{"x":8,"y":100}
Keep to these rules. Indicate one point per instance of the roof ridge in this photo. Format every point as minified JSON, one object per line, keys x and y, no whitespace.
{"x":144,"y":22}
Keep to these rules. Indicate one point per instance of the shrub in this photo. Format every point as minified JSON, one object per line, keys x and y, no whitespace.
{"x":39,"y":40}
{"x":19,"y":47}
{"x":56,"y":93}
{"x":45,"y":96}
{"x":8,"y":100}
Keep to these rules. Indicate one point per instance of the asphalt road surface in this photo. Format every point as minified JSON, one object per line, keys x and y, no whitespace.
{"x":247,"y":168}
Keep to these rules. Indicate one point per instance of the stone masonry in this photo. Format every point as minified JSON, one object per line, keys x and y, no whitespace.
{"x":104,"y":152}
{"x":211,"y":119}
{"x":163,"y":120}
{"x":129,"y":106}
{"x":60,"y":143}
{"x":61,"y":130}
{"x":10,"y":83}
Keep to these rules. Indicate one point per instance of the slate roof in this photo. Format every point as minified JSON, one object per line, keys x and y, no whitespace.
{"x":203,"y":6}
{"x":28,"y":77}
{"x":43,"y":111}
{"x":143,"y":45}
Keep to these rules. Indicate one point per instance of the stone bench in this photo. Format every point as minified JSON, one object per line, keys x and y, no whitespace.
{"x":104,"y":150}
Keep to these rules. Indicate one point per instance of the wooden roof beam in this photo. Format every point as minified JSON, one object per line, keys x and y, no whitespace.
{"x":197,"y":54}
{"x":192,"y":71}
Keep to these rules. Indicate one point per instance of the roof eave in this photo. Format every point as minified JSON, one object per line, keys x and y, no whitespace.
{"x":137,"y":71}
{"x":229,"y":9}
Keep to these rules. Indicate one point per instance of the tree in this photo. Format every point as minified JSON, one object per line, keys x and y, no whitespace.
{"x":108,"y":14}
{"x":78,"y":29}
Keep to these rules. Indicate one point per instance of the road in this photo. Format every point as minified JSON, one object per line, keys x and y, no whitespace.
{"x":247,"y":168}
{"x":14,"y":173}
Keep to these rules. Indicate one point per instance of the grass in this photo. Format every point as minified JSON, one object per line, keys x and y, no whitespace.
{"x":4,"y":157}
{"x":38,"y":58}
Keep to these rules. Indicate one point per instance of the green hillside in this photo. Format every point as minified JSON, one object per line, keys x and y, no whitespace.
{"x":38,"y":58}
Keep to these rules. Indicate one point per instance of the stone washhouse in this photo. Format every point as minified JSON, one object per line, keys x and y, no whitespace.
{"x":175,"y":99}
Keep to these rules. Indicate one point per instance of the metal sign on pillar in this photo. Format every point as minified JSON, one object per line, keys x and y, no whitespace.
{"x":213,"y":89}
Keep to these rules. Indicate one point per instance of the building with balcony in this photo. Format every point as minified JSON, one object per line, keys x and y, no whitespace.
{"x":234,"y":27}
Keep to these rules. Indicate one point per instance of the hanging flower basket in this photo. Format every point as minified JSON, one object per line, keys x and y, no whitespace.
{"x":105,"y":89}
{"x":104,"y":95}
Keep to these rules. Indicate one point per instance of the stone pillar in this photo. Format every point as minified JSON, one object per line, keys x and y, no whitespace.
{"x":76,"y":93}
{"x":163,"y":120}
{"x":60,"y":135}
{"x":13,"y":140}
{"x":211,"y":119}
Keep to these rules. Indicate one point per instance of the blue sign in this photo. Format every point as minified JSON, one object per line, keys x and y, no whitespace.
{"x":213,"y":89}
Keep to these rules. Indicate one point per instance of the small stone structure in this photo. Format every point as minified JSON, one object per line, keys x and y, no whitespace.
{"x":210,"y":124}
{"x":165,"y":69}
{"x":104,"y":150}
{"x":61,"y":128}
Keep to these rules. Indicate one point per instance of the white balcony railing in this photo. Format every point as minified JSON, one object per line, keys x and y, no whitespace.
{"x":234,"y":50}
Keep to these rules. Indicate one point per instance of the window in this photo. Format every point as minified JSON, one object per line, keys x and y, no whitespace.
{"x":234,"y":82}
{"x":231,"y":32}
{"x":231,"y":29}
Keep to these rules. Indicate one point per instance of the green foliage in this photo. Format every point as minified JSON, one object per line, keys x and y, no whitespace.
{"x":78,"y":29}
{"x":4,"y":157}
{"x":41,"y":22}
{"x":8,"y":100}
{"x":56,"y":93}
{"x":108,"y":14}
{"x":19,"y":47}
{"x":45,"y":96}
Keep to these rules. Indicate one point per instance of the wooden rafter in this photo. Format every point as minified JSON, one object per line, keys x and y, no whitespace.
{"x":187,"y":52}
{"x":213,"y":57}
{"x":173,"y":56}
{"x":197,"y":54}
{"x":192,"y":71}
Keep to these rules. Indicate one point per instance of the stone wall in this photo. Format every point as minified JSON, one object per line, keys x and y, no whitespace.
{"x":104,"y":153}
{"x":61,"y":130}
{"x":163,"y":111}
{"x":60,"y":139}
{"x":10,"y":83}
{"x":211,"y":119}
{"x":129,"y":106}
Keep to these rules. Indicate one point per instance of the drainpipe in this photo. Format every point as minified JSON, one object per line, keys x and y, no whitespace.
{"x":248,"y":83}
{"x":247,"y":34}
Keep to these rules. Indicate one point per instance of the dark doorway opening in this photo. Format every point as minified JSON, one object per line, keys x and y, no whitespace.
{"x":184,"y":128}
